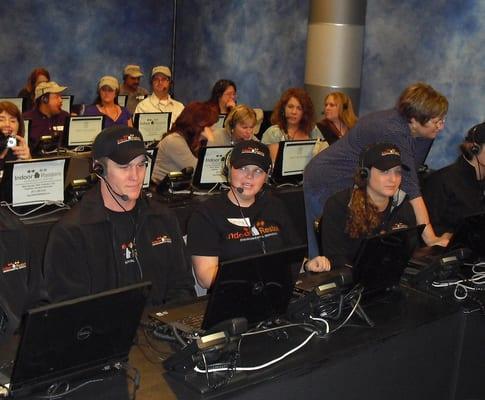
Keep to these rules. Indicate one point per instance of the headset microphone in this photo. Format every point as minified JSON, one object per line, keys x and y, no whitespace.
{"x":122,"y":196}
{"x":240,"y":190}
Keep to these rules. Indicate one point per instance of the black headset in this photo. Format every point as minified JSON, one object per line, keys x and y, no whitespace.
{"x":99,"y":169}
{"x":45,"y":98}
{"x":363,"y":171}
{"x":472,"y":138}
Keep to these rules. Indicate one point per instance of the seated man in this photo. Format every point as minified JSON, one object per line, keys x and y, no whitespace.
{"x":375,"y":205}
{"x":47,"y":116}
{"x":131,"y":87}
{"x":115,"y":236}
{"x":160,"y":100}
{"x":16,"y":291}
{"x":458,"y":190}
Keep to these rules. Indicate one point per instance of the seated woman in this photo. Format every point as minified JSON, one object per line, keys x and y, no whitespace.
{"x":458,"y":190}
{"x":339,"y":116}
{"x":12,"y":126}
{"x":239,"y":125}
{"x":245,"y":220}
{"x":375,"y":204}
{"x":293,"y":118}
{"x":180,"y":146}
{"x":37,"y":76}
{"x":106,"y":103}
{"x":223,"y":96}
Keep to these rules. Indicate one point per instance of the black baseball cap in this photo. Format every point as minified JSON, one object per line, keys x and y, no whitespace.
{"x":251,"y":152}
{"x":476,"y":134}
{"x":119,"y":143}
{"x":382,"y":156}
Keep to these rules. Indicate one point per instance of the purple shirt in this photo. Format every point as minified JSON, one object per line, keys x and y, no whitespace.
{"x":43,"y":125}
{"x":122,"y":118}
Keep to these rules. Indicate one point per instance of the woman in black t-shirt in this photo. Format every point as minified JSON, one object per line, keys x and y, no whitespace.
{"x":245,"y":220}
{"x":375,"y":205}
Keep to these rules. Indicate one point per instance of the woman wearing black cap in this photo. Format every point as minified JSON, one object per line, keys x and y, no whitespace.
{"x":458,"y":190}
{"x":374,"y":205}
{"x":246,"y":220}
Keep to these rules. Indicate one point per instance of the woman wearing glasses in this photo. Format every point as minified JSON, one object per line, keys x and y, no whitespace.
{"x":419,"y":114}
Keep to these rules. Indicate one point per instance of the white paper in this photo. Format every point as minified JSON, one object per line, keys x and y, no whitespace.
{"x":153,"y":125}
{"x":83,"y":130}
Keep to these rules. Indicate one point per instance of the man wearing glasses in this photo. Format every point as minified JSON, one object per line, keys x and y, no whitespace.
{"x":160,"y":99}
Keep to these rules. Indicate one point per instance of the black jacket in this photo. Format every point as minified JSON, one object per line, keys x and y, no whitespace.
{"x":15,"y":274}
{"x":451,"y":193}
{"x":80,"y":257}
{"x":337,"y":245}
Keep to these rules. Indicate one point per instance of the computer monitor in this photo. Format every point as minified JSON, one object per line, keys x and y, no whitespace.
{"x":291,"y":160}
{"x":67,"y":101}
{"x":220,"y":122}
{"x":34,"y":182}
{"x":122,"y":98}
{"x":81,"y":131}
{"x":18,"y":101}
{"x":151,"y":160}
{"x":210,"y":163}
{"x":152,"y":125}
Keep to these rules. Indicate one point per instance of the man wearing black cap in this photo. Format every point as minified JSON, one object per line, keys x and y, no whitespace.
{"x":375,"y":204}
{"x":114,"y":236}
{"x":458,"y":190}
{"x":245,"y":220}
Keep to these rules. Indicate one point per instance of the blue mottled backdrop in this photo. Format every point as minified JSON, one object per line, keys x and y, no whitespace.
{"x":78,"y":41}
{"x":260,"y":44}
{"x":437,"y":41}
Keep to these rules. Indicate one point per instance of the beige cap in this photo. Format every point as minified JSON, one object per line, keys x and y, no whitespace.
{"x":161,"y":69}
{"x":110,"y":81}
{"x":48,"y":87}
{"x":133,"y":70}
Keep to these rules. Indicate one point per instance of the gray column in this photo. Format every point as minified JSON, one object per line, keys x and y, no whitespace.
{"x":334,"y":49}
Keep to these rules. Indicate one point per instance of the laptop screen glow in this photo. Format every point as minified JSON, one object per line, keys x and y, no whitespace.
{"x":38,"y":182}
{"x":83,"y":130}
{"x":296,"y":155}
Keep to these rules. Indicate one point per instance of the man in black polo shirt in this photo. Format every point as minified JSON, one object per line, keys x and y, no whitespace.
{"x":115,"y":236}
{"x":48,"y":118}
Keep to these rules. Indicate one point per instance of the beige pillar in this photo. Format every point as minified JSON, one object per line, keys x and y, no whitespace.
{"x":334,"y":49}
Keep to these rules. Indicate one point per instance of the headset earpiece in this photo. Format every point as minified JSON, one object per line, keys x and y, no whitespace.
{"x":45,"y":98}
{"x":476,"y":148}
{"x":226,"y":168}
{"x":99,"y":169}
{"x":364,"y":172}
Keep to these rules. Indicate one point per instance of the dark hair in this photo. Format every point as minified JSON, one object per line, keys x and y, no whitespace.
{"x":363,"y":216}
{"x":307,"y":122}
{"x":192,"y":121}
{"x":97,"y":99}
{"x":218,"y":90}
{"x":30,"y":86}
{"x":421,"y":102}
{"x":12,"y":109}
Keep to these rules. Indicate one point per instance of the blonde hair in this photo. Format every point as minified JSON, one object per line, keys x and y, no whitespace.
{"x":240,"y":113}
{"x":345,"y":108}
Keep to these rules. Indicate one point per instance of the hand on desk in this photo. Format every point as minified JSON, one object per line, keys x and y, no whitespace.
{"x":318,"y":264}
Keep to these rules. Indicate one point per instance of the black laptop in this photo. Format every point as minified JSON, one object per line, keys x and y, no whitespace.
{"x":28,"y":184}
{"x":76,"y":339}
{"x":257,"y":287}
{"x":381,"y":259}
{"x":291,"y":160}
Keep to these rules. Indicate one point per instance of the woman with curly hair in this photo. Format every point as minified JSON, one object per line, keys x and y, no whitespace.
{"x":375,"y":205}
{"x":293,"y":118}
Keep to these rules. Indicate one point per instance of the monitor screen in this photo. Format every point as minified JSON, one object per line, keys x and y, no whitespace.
{"x":220,"y":122}
{"x":148,"y":174}
{"x":37,"y":181}
{"x":153,"y":125}
{"x":122,"y":100}
{"x":26,"y":130}
{"x":67,"y":103}
{"x":295,"y":156}
{"x":82,"y":130}
{"x":208,"y":171}
{"x":18,"y":101}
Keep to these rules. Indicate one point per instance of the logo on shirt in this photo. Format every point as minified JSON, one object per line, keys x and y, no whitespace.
{"x":249,"y":232}
{"x":164,"y":239}
{"x":14,"y":266}
{"x":128,"y":252}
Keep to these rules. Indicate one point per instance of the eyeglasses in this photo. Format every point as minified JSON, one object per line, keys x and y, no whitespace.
{"x":438,"y":122}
